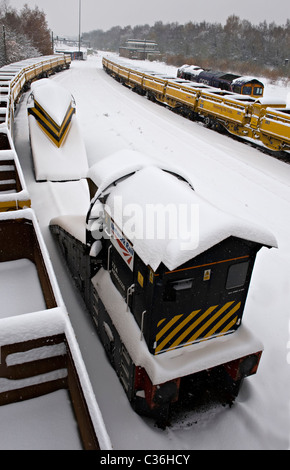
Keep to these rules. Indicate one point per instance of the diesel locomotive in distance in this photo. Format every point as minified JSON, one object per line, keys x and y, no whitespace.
{"x":248,"y":86}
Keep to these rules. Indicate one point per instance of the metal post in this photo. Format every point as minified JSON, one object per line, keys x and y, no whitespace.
{"x":80,"y":11}
{"x":4,"y":45}
{"x":142,"y":324}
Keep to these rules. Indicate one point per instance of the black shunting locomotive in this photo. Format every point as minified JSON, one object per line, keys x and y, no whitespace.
{"x":165,"y":276}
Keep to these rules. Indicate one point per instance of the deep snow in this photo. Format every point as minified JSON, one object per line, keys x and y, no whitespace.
{"x":233,"y":176}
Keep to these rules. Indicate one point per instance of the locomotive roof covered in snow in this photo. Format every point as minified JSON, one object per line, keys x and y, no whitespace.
{"x":122,"y":163}
{"x":217,"y":74}
{"x":191,"y":225}
{"x":189,"y":67}
{"x":245,"y":79}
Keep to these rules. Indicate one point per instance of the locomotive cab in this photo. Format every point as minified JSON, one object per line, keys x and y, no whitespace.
{"x":199,"y":300}
{"x":248,"y":86}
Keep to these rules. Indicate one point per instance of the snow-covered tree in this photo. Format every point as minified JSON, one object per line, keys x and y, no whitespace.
{"x":22,"y":35}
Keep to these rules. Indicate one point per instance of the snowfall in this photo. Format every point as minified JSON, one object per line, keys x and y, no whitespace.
{"x":237,"y":179}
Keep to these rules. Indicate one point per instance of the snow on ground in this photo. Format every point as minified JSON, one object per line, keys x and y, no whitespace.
{"x":233,"y":176}
{"x":20,"y":275}
{"x":43,"y":423}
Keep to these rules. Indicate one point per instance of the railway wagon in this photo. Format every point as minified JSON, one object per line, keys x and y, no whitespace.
{"x":168,"y":309}
{"x":275,"y":128}
{"x":39,"y":353}
{"x":240,"y":114}
{"x":13,"y":191}
{"x":17,"y":77}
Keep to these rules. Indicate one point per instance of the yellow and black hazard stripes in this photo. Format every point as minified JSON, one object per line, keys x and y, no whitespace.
{"x":186,"y":329}
{"x":54,"y":131}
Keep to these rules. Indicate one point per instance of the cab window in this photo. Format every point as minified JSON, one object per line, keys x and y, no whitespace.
{"x":258,"y":91}
{"x":236,"y":89}
{"x":237,"y":275}
{"x":247,"y":90}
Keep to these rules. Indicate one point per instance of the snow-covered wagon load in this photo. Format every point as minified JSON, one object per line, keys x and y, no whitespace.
{"x":39,"y":352}
{"x":13,"y":191}
{"x":165,"y":275}
{"x":57,"y":145}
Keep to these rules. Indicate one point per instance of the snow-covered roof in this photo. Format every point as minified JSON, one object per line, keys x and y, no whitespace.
{"x":271,"y":102}
{"x":122,"y":163}
{"x":190,"y":68}
{"x":193,"y":69}
{"x":115,"y":166}
{"x":193,"y":224}
{"x":54,"y":99}
{"x":245,"y":79}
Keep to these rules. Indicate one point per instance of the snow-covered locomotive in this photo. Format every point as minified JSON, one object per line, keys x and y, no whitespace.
{"x":248,"y":86}
{"x":168,"y":307}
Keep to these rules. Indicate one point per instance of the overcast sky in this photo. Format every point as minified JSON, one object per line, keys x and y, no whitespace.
{"x":63,"y":15}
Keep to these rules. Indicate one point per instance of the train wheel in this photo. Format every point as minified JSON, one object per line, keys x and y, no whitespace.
{"x":208,"y":122}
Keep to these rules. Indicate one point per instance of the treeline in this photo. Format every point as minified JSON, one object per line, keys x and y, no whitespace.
{"x":23,"y":34}
{"x":238,"y":46}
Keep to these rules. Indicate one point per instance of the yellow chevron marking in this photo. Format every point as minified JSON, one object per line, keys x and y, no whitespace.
{"x":232,"y":323}
{"x":186,"y":332}
{"x":47,"y":124}
{"x":45,"y":118}
{"x":223,"y":320}
{"x":211,"y":320}
{"x":218,"y":315}
{"x":54,"y":127}
{"x":167,"y":326}
{"x":173,"y":333}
